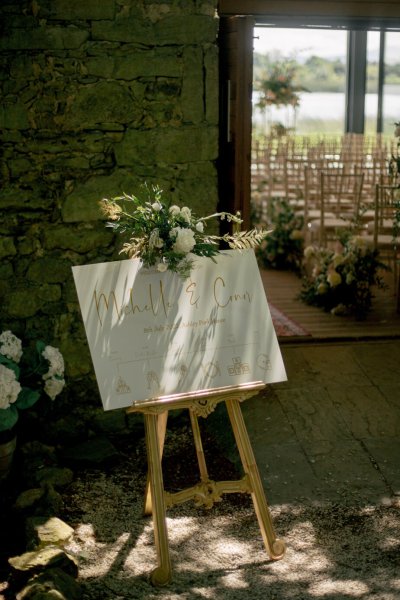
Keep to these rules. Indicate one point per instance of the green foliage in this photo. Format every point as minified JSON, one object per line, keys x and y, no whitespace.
{"x":283,"y":247}
{"x":341,"y":282}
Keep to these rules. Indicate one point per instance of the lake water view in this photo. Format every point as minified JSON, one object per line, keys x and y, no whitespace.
{"x":326,"y":106}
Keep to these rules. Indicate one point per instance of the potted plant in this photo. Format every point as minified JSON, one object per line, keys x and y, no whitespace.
{"x":24,"y":376}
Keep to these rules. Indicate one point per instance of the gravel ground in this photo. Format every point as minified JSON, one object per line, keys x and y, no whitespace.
{"x":334,"y":551}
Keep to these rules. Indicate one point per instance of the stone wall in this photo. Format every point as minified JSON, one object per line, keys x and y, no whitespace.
{"x":98,"y":96}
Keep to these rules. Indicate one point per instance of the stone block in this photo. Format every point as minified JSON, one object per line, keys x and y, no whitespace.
{"x":7,"y":247}
{"x":180,"y":145}
{"x":192,"y":96}
{"x":51,"y":584}
{"x":154,"y":64}
{"x":44,"y":38}
{"x":186,"y":30}
{"x":14,"y":197}
{"x":211,"y":85}
{"x":70,"y":10}
{"x":23,"y":303}
{"x":47,"y":530}
{"x":129,"y":29}
{"x":48,"y":557}
{"x":49,"y":270}
{"x":82,"y":204}
{"x":48,"y":293}
{"x":100,"y":102}
{"x":79,"y":240}
{"x":14,"y":116}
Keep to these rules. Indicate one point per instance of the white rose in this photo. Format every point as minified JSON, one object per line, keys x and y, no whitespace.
{"x":156,"y":206}
{"x":337,"y":259}
{"x":186,"y":213}
{"x":309,"y":252}
{"x":53,"y":386}
{"x":11,"y":346}
{"x":200,"y":226}
{"x":184,"y":241}
{"x":334,"y":278}
{"x":9,"y":387}
{"x":154,"y":240}
{"x":162,"y":267}
{"x":174,"y":210}
{"x":322,"y":288}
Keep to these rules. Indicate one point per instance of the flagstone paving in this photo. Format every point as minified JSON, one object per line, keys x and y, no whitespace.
{"x":332,"y":431}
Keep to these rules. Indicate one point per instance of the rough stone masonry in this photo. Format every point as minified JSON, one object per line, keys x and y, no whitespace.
{"x":96,"y":98}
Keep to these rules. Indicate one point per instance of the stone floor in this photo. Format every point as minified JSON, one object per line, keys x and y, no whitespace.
{"x":332,"y":431}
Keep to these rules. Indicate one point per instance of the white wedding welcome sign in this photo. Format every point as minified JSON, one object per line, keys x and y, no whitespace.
{"x":154,"y":334}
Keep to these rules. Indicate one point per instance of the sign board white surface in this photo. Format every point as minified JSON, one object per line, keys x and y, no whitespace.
{"x":153,"y":334}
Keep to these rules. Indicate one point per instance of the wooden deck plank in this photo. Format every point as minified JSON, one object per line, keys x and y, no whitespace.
{"x":283,"y":288}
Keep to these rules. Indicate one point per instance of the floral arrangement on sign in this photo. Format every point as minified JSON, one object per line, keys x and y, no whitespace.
{"x":283,"y":247}
{"x":340,"y":282}
{"x":24,"y":375}
{"x":165,"y":236}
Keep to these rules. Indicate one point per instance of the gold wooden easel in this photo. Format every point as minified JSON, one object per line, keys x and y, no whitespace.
{"x":206,"y":492}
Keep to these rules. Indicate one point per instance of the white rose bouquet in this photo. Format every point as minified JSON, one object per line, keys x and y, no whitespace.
{"x":24,"y":375}
{"x":164,"y":236}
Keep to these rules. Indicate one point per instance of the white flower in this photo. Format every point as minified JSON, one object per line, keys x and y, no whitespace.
{"x":296,"y":234}
{"x":337,"y":259}
{"x":174,"y":210}
{"x":334,"y":278}
{"x":309,"y":252}
{"x":186,"y":213}
{"x":322,"y":288}
{"x":53,"y":386}
{"x":11,"y":346}
{"x":200,"y":226}
{"x":154,"y":240}
{"x":162,"y":267}
{"x":156,"y":206}
{"x":56,"y":360}
{"x":9,"y":387}
{"x":184,"y":241}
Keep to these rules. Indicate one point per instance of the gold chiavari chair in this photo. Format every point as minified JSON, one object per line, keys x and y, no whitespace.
{"x":385,"y":234}
{"x":340,"y":196}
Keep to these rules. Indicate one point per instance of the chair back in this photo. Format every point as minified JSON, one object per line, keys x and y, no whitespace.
{"x":387,"y":207}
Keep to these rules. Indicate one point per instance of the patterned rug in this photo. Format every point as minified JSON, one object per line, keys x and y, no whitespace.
{"x":285,"y":327}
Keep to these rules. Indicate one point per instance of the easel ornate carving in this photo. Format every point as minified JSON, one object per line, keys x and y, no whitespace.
{"x":206,"y":492}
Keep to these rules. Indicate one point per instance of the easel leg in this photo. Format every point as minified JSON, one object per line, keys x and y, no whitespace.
{"x":161,"y":431}
{"x":162,"y":575}
{"x":199,"y":447}
{"x":274,"y":546}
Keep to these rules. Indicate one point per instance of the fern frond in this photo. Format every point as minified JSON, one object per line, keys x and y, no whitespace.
{"x":243,"y":240}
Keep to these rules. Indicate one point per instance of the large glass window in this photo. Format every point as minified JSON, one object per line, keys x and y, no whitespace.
{"x":316,"y":59}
